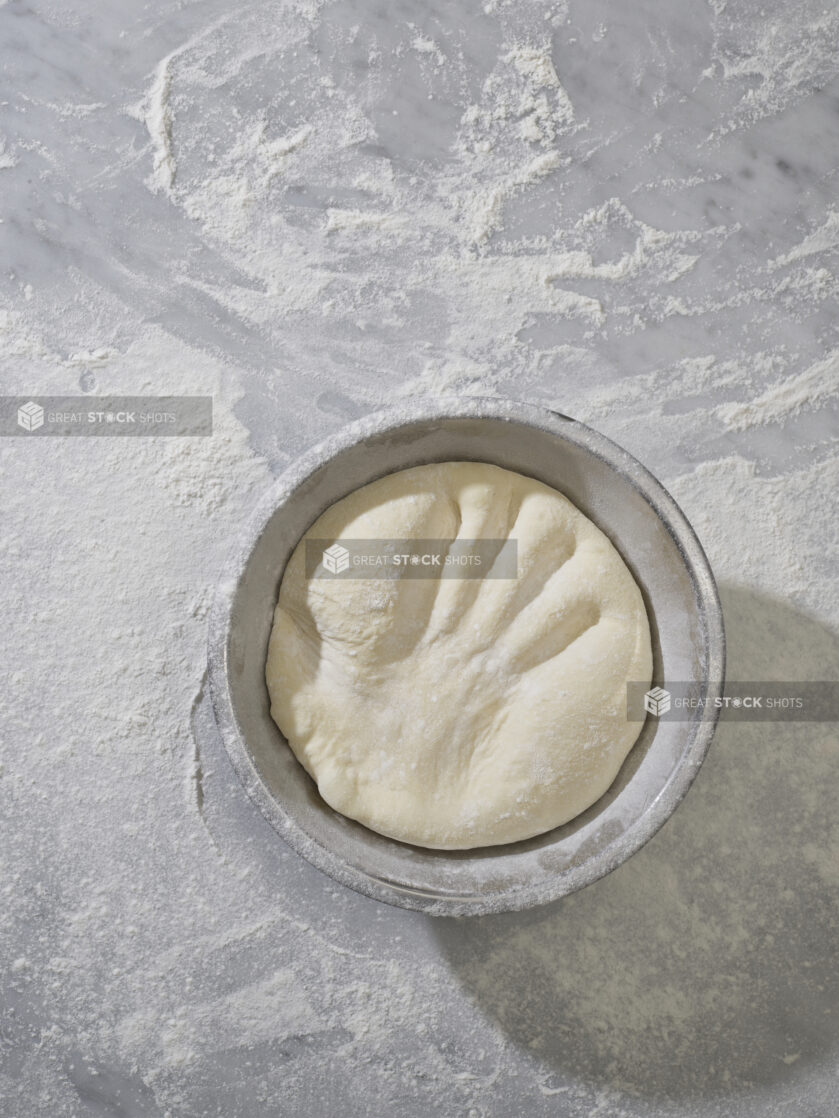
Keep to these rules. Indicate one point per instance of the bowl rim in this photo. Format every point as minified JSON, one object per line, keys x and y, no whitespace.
{"x":419,"y":409}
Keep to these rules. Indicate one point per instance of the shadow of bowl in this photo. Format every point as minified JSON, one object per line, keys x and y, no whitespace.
{"x":705,"y":967}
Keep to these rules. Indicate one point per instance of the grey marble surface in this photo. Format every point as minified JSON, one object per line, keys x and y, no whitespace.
{"x":327,"y":205}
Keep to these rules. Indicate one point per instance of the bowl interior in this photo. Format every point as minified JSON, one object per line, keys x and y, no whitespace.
{"x":656,"y":543}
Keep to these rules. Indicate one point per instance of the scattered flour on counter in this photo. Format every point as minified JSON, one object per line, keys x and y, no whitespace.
{"x":483,"y":210}
{"x":111,"y":580}
{"x":334,"y":228}
{"x":155,"y":111}
{"x":425,"y":46}
{"x":823,"y":239}
{"x":810,"y":389}
{"x":7,"y":160}
{"x":157,"y":115}
{"x":165,"y":953}
{"x":735,"y":512}
{"x":783,"y":59}
{"x":353,"y":221}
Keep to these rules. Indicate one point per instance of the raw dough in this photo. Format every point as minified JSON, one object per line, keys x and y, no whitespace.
{"x":455,"y":713}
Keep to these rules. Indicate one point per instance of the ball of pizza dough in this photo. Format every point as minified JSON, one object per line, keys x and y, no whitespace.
{"x":460,"y":712}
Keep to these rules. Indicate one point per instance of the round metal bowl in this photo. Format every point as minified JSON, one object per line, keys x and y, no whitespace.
{"x":656,"y":542}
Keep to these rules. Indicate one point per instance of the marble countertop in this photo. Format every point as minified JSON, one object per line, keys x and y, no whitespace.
{"x":309,"y":210}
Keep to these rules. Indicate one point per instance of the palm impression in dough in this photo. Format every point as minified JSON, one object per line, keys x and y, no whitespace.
{"x":456,"y":713}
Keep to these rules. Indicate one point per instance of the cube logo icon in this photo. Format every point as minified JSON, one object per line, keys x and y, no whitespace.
{"x":336,"y":559}
{"x":30,"y":416}
{"x":657,"y":701}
